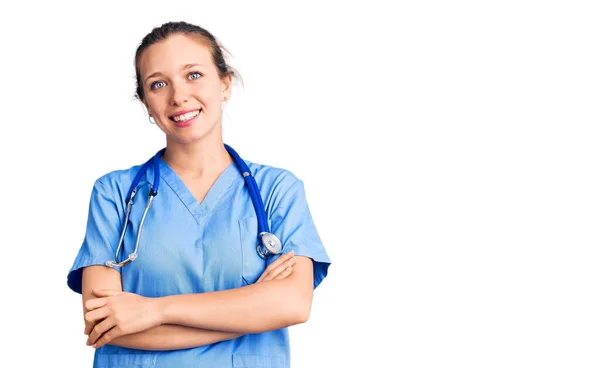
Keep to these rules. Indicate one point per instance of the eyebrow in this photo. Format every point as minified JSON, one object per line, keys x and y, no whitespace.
{"x":185,"y":67}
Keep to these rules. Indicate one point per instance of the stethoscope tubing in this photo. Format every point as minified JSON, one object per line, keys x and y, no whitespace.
{"x":269,"y":243}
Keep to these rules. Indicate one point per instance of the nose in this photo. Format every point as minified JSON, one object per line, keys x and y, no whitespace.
{"x":179,"y":94}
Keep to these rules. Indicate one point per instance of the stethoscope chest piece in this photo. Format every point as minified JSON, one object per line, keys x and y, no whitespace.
{"x":269,"y":245}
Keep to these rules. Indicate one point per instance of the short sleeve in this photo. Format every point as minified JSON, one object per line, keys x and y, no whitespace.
{"x":101,"y":235}
{"x":292,"y":222}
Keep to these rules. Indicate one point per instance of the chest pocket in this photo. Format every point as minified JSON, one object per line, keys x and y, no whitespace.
{"x":252,"y":265}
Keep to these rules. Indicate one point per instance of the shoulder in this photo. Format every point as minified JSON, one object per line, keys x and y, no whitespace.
{"x":277,"y":177}
{"x":277,"y":185}
{"x":116,"y":182}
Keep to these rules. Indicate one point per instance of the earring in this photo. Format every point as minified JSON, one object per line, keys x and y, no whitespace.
{"x":151,"y":119}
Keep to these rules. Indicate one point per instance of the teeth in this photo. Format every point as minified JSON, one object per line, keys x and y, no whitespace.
{"x":186,"y":116}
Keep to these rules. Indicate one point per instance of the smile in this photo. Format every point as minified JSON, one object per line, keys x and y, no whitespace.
{"x":185,"y":117}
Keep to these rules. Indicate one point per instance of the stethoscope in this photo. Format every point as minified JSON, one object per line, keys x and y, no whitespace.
{"x":268,"y":243}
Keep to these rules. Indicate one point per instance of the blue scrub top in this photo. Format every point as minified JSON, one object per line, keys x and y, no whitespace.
{"x":191,"y":247}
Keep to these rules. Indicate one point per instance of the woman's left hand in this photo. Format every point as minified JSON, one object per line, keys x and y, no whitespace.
{"x":116,"y":313}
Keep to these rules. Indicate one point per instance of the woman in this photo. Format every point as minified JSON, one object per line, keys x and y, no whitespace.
{"x":198,"y":293}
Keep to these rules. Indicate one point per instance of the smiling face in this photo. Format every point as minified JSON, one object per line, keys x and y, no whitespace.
{"x":182,"y":89}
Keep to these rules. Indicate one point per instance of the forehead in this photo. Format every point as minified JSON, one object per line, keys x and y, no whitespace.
{"x":170,"y":54}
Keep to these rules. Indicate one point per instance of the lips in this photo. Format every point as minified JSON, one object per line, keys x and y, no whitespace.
{"x":185,"y":116}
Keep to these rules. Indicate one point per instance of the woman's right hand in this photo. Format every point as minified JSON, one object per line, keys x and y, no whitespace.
{"x":280,"y":268}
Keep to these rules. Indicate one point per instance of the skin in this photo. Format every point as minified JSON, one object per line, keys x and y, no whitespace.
{"x":165,"y":337}
{"x":179,"y":74}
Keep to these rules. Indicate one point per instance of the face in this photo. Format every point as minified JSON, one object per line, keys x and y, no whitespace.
{"x":182,"y":89}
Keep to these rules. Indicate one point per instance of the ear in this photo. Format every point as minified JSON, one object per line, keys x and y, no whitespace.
{"x":146,"y":106}
{"x":226,"y":87}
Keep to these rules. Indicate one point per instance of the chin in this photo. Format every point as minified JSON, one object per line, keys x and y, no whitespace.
{"x":192,"y":137}
{"x":196,"y":132}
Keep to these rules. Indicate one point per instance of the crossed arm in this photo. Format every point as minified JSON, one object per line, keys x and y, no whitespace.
{"x":190,"y":320}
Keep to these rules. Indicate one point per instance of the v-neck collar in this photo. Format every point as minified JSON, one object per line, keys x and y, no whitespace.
{"x":198,"y":210}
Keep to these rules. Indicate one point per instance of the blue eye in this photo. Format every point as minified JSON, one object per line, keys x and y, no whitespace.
{"x":194,"y":75}
{"x":158,"y":84}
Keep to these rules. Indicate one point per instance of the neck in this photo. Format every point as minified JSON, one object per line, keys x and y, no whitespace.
{"x":197,"y":159}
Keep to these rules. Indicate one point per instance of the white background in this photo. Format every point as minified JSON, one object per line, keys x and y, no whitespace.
{"x":450,"y":152}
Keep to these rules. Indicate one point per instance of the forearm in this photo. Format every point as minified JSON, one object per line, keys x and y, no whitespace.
{"x":250,"y":309}
{"x":172,"y":337}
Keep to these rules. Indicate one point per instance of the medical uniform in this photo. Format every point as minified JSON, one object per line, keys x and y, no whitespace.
{"x":191,"y":247}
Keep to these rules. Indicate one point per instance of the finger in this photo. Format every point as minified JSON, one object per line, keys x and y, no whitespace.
{"x":101,"y":293}
{"x":285,"y":257}
{"x":88,"y":328}
{"x":95,"y":303}
{"x":284,"y":274}
{"x":279,"y":269}
{"x":107,"y":337}
{"x":268,"y":272}
{"x":93,"y":317}
{"x":99,"y":329}
{"x":284,"y":267}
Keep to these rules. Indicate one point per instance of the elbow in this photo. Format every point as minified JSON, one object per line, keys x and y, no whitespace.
{"x":302,"y":316}
{"x":301,"y":310}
